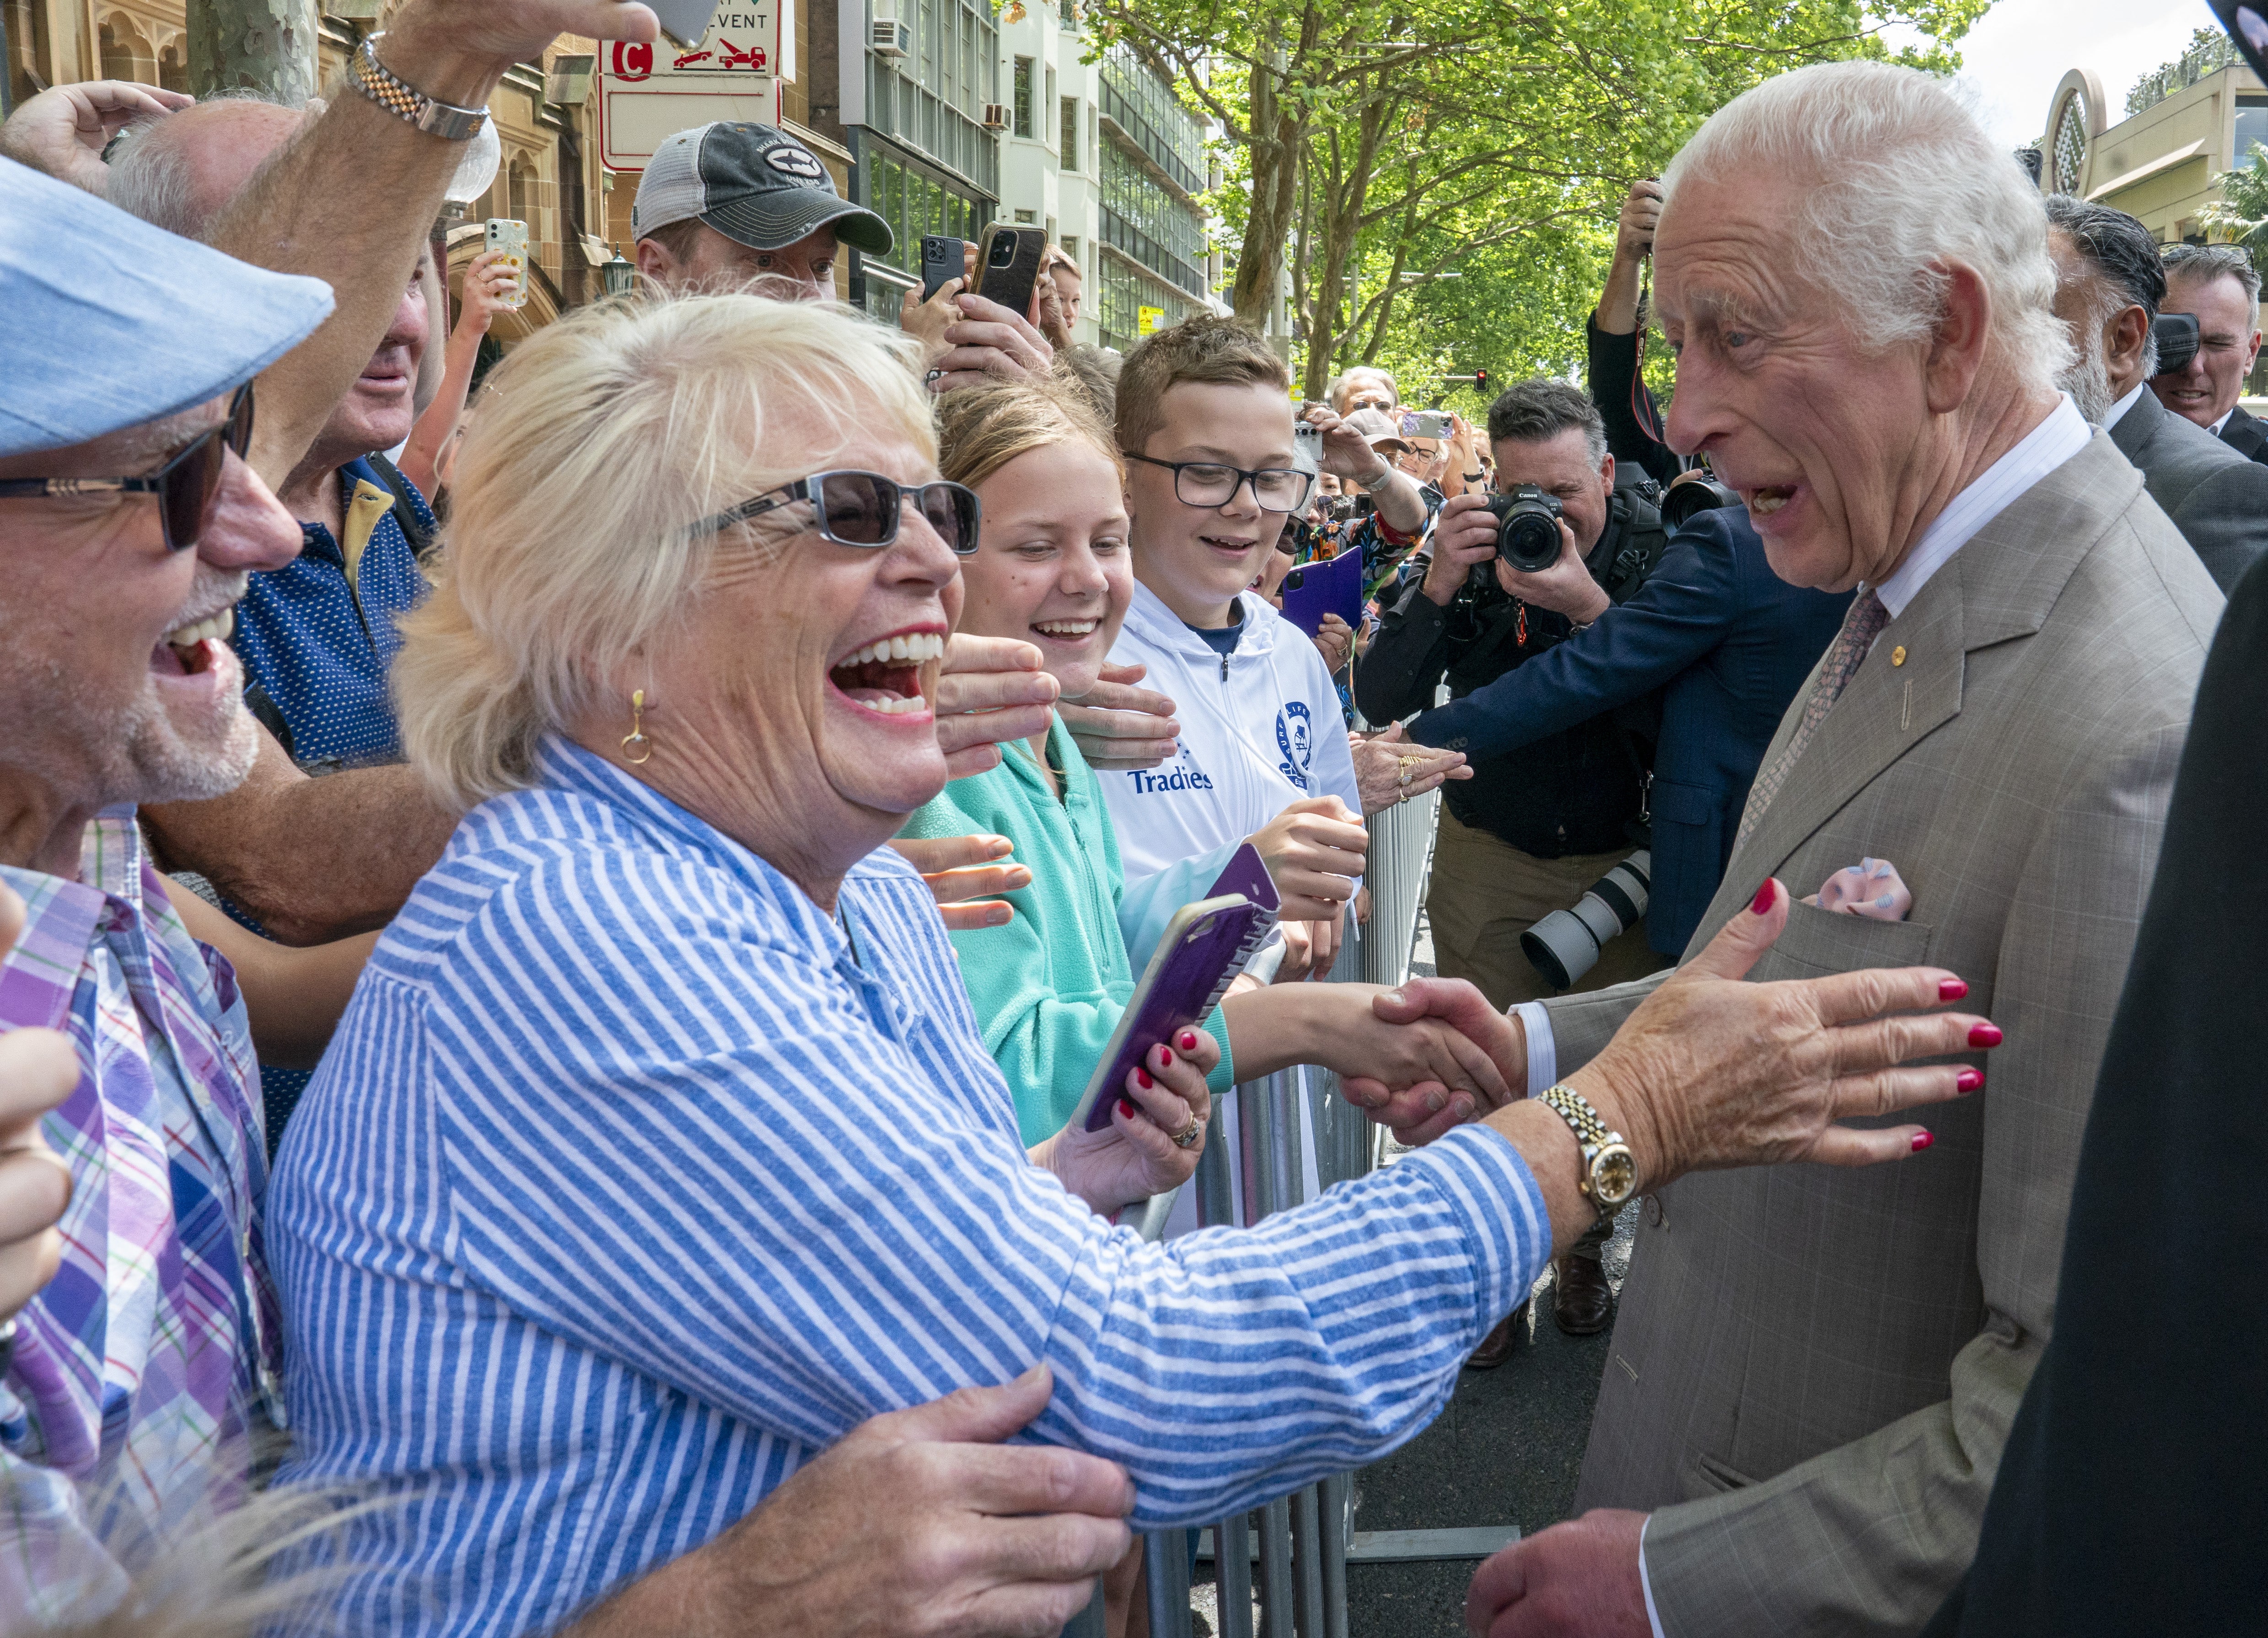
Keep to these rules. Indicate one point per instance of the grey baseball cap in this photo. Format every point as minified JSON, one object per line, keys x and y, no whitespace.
{"x":1378,"y":429}
{"x":755,"y":184}
{"x":112,"y":322}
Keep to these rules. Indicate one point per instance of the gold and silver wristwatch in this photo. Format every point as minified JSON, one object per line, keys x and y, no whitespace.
{"x":1610,"y":1171}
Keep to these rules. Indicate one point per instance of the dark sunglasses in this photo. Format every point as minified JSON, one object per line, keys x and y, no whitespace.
{"x":185,"y":485}
{"x":862,"y":508}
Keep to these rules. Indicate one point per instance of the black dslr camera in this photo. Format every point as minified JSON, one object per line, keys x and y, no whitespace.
{"x":1527,"y":534}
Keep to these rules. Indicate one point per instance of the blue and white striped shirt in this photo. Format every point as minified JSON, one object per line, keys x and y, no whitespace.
{"x":628,"y":1183}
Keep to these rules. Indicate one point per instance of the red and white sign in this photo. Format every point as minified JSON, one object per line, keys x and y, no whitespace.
{"x":649,"y":93}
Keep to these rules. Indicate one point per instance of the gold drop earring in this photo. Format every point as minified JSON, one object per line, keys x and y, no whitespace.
{"x":637,"y":749}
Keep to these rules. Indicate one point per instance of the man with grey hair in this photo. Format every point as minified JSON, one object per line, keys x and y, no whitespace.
{"x":2108,"y":285}
{"x":2217,"y":285}
{"x":1813,"y":1373}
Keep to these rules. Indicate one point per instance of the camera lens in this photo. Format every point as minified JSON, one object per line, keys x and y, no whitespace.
{"x":1530,"y":541}
{"x":1004,"y":250}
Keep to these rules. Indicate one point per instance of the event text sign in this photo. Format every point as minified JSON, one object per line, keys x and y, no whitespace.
{"x":648,"y":93}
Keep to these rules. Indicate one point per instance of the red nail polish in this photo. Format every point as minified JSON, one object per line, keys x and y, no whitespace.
{"x":1969,"y":1080}
{"x":1951,"y":989}
{"x":1141,"y":1079}
{"x":1166,"y":1053}
{"x":1189,"y":1040}
{"x":1126,"y":1107}
{"x":1922,"y":1140}
{"x":1985,"y":1034}
{"x":1763,"y":901}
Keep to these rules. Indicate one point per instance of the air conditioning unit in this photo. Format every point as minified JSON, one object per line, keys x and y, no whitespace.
{"x":996,"y":116}
{"x":891,"y":38}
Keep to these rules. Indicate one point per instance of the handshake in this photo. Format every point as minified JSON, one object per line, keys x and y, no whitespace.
{"x":1708,"y":1072}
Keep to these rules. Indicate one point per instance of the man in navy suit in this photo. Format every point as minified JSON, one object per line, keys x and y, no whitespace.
{"x":1727,"y":641}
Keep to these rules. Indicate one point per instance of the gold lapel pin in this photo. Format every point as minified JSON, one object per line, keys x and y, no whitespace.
{"x":1898,"y":655}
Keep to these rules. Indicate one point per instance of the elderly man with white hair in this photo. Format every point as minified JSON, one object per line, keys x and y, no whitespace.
{"x":1815,"y":1371}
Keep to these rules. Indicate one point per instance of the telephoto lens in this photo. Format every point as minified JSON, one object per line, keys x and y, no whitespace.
{"x":1527,"y":529}
{"x":1565,"y":944}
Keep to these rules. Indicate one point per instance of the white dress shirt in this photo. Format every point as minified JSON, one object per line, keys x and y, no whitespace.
{"x":2056,"y":439}
{"x":2217,"y":427}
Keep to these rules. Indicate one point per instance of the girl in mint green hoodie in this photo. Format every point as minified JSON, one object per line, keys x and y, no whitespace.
{"x":1053,"y":569}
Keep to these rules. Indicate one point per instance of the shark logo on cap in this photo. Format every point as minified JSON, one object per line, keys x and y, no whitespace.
{"x":795,"y":161}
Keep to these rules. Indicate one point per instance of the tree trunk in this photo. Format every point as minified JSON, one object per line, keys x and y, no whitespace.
{"x":266,"y":46}
{"x":1276,"y":143}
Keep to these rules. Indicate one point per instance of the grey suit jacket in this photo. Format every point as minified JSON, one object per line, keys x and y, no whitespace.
{"x":1815,"y":1369}
{"x":2217,"y":499}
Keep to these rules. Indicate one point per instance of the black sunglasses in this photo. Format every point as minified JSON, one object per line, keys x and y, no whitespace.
{"x":862,"y":508}
{"x":185,"y":485}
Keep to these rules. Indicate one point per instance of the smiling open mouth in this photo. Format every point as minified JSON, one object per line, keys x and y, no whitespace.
{"x":886,"y":677}
{"x":1066,"y":631}
{"x":1770,"y":498}
{"x":190,"y":649}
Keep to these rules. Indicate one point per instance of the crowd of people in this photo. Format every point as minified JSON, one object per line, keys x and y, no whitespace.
{"x":559,"y":926}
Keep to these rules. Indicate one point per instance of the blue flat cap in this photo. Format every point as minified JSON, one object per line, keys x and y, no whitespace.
{"x":110,"y":322}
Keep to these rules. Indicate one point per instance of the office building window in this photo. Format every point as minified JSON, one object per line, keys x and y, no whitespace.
{"x":1070,"y":242}
{"x":1026,"y":218}
{"x":1071,"y":133}
{"x":1067,"y":14}
{"x":1023,"y":97}
{"x":2251,"y":126}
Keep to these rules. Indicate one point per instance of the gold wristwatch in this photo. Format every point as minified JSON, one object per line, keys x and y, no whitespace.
{"x":1610,"y":1171}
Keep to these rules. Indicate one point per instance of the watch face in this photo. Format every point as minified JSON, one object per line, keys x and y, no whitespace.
{"x":1614,"y":1175}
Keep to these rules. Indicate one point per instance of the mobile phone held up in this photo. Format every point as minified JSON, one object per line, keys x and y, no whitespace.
{"x":944,"y":259}
{"x":511,"y":238}
{"x":1010,"y":266}
{"x":685,"y":21}
{"x":1424,"y":424}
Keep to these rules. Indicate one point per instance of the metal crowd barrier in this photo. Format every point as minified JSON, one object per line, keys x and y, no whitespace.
{"x":1303,"y":1539}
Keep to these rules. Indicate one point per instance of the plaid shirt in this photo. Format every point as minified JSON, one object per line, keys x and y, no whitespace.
{"x":140,"y":1369}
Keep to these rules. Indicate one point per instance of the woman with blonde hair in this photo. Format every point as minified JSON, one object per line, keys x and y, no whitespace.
{"x":658,"y":1147}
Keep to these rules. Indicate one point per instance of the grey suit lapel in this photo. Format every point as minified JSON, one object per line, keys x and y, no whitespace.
{"x":2132,"y":435}
{"x":2000,"y":585}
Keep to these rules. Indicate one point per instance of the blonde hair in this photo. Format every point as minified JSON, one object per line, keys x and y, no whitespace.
{"x":982,"y":428}
{"x":597,"y":445}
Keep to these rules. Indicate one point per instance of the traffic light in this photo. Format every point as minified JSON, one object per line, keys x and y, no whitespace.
{"x":1480,"y":382}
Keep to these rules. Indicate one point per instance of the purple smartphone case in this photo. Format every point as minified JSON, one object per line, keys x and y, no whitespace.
{"x":1331,"y":587}
{"x":1203,"y":948}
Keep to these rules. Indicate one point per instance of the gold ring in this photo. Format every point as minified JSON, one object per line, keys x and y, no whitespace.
{"x":1189,"y":1136}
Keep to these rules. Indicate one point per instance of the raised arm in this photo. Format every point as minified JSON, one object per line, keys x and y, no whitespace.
{"x":351,"y":200}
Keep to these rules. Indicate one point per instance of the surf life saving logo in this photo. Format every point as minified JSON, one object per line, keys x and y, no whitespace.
{"x":1295,"y":738}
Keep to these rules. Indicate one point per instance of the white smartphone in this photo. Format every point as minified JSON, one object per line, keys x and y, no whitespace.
{"x":685,"y":21}
{"x":510,"y":237}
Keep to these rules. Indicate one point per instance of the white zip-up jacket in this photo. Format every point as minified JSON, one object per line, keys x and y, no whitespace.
{"x":1261,"y":729}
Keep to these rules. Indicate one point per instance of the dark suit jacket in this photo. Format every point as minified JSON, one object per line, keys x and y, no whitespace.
{"x":1729,"y":643}
{"x":2246,"y":434}
{"x":2217,"y":499}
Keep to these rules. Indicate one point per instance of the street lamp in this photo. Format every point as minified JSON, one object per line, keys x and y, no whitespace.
{"x":476,"y":171}
{"x":620,"y":274}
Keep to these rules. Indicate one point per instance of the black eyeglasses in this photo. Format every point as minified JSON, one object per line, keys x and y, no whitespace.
{"x":185,"y":485}
{"x":1210,"y":484}
{"x":862,"y":508}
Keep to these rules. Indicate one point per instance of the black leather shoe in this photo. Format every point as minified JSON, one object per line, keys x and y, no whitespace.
{"x":1496,"y":1347}
{"x":1581,"y":1304}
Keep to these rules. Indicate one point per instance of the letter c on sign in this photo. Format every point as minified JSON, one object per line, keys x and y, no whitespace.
{"x":633,"y":59}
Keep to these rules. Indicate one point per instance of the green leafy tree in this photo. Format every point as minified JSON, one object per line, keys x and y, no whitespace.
{"x":2241,"y":213}
{"x":1439,"y":176}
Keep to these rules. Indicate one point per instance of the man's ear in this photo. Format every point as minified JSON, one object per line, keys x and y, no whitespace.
{"x":1607,"y":478}
{"x":1957,"y":353}
{"x":2123,"y":340}
{"x":654,"y":262}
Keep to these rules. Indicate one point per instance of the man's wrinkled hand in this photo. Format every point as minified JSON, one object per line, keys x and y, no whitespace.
{"x":1576,"y":1579}
{"x":964,"y":873}
{"x":986,"y":341}
{"x":1119,"y":727}
{"x":991,"y":691}
{"x":63,"y":129}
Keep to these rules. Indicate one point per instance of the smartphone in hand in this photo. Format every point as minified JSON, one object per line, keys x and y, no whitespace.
{"x":944,"y":259}
{"x":1010,"y":266}
{"x":510,"y":238}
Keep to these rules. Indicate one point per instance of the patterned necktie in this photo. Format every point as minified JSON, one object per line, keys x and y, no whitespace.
{"x":1860,"y":627}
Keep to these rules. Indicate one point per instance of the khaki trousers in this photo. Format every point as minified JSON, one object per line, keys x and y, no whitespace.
{"x":1485,"y":893}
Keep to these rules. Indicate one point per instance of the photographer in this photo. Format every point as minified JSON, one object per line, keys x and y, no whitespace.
{"x":1527,"y":834}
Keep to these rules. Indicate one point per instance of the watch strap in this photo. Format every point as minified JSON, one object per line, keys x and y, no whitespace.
{"x":398,"y":97}
{"x":1592,"y":1133}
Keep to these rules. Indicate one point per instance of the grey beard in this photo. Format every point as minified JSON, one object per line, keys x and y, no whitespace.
{"x":2088,"y":379}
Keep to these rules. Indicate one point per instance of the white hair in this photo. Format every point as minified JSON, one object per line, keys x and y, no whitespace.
{"x":598,"y":445}
{"x":1898,"y":182}
{"x":150,"y":176}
